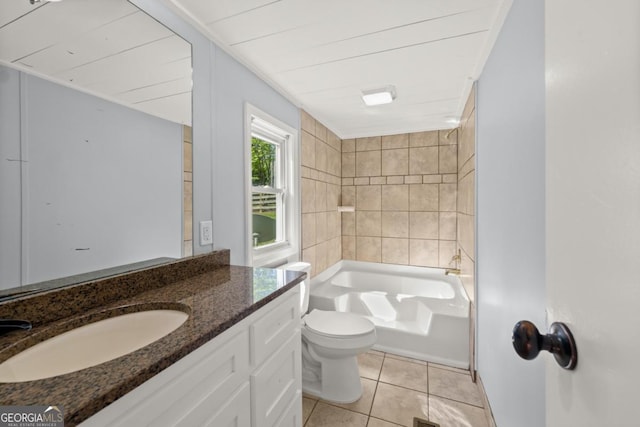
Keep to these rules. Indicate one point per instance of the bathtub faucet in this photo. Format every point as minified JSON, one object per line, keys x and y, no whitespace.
{"x":455,"y":260}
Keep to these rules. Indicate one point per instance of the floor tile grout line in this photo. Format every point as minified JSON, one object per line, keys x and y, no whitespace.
{"x":403,"y":387}
{"x":384,"y":357}
{"x":311,"y":413}
{"x":371,"y":407}
{"x":428,"y":394}
{"x":457,"y":401}
{"x":375,"y":391}
{"x":428,"y":387}
{"x":382,"y":419}
{"x":337,"y":405}
{"x":449,"y":370}
{"x":409,"y":360}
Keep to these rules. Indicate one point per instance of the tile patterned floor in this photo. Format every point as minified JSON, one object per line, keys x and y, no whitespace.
{"x":396,"y":389}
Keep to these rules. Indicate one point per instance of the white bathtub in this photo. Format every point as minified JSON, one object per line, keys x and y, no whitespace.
{"x":418,"y":312}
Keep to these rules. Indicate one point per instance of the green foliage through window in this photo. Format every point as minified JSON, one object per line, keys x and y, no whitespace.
{"x":263,"y":174}
{"x":263,"y":158}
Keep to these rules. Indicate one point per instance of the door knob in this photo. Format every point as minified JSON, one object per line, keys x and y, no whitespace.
{"x":528,"y":342}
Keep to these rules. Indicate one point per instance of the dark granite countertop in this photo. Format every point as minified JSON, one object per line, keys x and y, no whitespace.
{"x":216,"y":296}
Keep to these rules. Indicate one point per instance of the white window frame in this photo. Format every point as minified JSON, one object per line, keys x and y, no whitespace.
{"x":286,"y":139}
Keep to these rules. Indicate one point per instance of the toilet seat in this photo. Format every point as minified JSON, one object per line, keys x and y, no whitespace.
{"x":335,"y":324}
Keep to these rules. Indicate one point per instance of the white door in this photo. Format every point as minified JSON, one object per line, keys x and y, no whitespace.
{"x":593,"y":208}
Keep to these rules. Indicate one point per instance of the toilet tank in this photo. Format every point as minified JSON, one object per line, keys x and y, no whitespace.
{"x":304,"y":285}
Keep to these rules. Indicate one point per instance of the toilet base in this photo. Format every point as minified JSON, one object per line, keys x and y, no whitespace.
{"x":332,"y":379}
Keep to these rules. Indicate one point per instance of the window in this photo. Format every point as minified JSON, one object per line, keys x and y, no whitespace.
{"x":272,"y":188}
{"x":268,"y":192}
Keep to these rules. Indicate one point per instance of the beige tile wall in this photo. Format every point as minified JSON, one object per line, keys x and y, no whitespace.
{"x":320,"y":187}
{"x":466,"y":211}
{"x":404,"y":189}
{"x":187,"y":220}
{"x":466,"y":195}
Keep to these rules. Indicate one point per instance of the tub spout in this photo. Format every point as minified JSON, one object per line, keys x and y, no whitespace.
{"x":457,"y":258}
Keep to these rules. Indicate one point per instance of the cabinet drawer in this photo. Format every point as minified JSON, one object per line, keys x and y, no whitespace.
{"x":276,"y":384}
{"x":273,"y":329}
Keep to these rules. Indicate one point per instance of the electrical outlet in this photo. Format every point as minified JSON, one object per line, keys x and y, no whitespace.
{"x":206,"y":233}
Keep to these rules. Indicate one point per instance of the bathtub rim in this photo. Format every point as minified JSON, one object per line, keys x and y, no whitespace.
{"x":391,"y":268}
{"x":322,"y":279}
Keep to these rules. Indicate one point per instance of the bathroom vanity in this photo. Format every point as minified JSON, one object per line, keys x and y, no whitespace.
{"x":235,"y":361}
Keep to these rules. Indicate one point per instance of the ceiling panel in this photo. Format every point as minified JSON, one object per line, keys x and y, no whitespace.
{"x":176,"y":108}
{"x":428,"y":63}
{"x":156,"y":91}
{"x":214,"y":11}
{"x":322,"y":54}
{"x":53,"y":23}
{"x":343,"y":27}
{"x":148,"y":64}
{"x":422,"y":32}
{"x":110,"y":39}
{"x":12,"y":10}
{"x":107,"y":47}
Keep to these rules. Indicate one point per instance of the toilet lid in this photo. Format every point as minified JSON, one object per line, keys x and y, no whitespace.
{"x":338,"y":324}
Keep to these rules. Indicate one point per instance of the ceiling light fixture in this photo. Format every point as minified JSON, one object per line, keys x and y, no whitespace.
{"x":381,"y":96}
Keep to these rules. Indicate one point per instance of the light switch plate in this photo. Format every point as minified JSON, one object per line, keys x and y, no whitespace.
{"x":206,"y":233}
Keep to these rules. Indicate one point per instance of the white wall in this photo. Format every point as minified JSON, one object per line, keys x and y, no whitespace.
{"x":510,"y":214}
{"x":202,"y":117}
{"x":234,"y":85}
{"x":221,"y":87}
{"x":10,"y":170}
{"x":99,"y":184}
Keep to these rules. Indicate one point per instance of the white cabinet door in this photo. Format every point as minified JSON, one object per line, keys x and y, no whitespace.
{"x":276,"y":384}
{"x":292,"y":416}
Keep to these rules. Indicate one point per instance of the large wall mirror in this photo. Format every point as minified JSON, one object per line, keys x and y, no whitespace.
{"x":95,"y":141}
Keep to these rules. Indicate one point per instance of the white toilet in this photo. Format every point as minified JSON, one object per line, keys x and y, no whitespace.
{"x":331,"y":341}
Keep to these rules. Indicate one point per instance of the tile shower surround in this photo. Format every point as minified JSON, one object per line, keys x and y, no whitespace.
{"x":320,"y":187}
{"x":466,"y":195}
{"x":414,"y":196}
{"x":403,"y":188}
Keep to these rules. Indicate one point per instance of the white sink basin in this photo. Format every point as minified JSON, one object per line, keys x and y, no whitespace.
{"x":90,"y":345}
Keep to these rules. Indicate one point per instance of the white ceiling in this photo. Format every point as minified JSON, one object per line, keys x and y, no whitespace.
{"x":107,"y":48}
{"x":322,"y":54}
